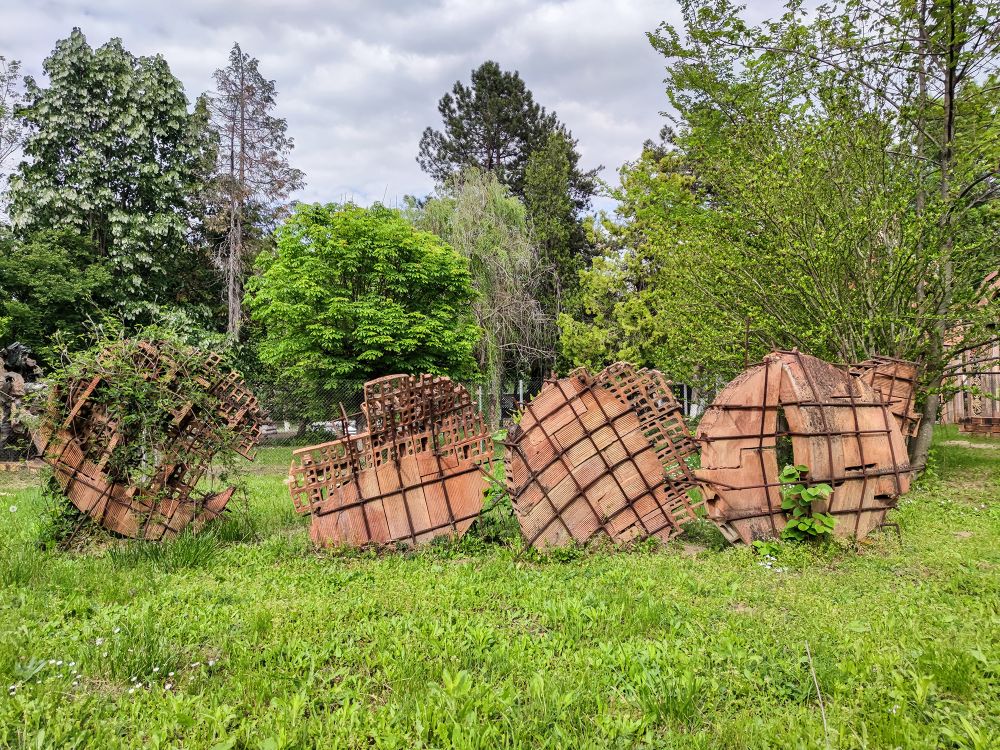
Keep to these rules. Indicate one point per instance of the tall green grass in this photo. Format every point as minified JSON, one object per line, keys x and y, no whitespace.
{"x":244,"y":636}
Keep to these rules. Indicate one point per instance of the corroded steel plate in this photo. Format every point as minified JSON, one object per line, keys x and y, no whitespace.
{"x":579,"y":465}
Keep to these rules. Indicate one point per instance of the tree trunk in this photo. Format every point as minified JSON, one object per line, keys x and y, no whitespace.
{"x":921,"y":446}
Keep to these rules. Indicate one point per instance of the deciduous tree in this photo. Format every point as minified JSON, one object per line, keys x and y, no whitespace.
{"x":487,"y":225}
{"x":353,"y":293}
{"x":847,"y":162}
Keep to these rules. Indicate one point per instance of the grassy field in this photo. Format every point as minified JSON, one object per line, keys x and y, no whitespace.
{"x":247,"y":638}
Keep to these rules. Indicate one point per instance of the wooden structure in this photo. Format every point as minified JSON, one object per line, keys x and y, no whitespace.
{"x":600,"y":455}
{"x":416,"y":473}
{"x":81,"y":444}
{"x":794,"y":408}
{"x":975,"y":408}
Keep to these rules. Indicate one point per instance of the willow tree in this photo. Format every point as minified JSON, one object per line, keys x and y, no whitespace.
{"x":478,"y":216}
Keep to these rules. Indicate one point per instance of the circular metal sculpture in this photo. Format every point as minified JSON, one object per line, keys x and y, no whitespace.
{"x":415,"y":474}
{"x":794,"y":408}
{"x":580,"y":463}
{"x":661,"y":418}
{"x":149,"y":494}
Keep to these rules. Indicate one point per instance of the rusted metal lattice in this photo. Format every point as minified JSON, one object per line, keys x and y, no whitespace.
{"x":415,"y":474}
{"x":579,"y":465}
{"x":895,"y":380}
{"x":794,"y":408}
{"x":647,"y":392}
{"x":81,"y":447}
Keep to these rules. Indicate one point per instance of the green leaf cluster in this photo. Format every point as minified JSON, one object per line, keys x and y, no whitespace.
{"x":353,"y":293}
{"x":797,"y":500}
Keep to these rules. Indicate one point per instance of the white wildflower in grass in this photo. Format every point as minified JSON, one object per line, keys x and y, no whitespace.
{"x":170,"y":674}
{"x":104,"y":654}
{"x":156,"y":669}
{"x":168,"y":686}
{"x":131,"y":690}
{"x":99,"y":641}
{"x":117,"y":630}
{"x":13,"y":509}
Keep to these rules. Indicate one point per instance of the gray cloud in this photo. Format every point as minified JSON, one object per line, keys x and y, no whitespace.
{"x":359,"y":80}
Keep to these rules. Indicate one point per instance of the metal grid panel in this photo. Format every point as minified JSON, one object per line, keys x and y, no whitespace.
{"x":647,"y":393}
{"x":895,"y":380}
{"x":414,"y":475}
{"x":836,"y":424}
{"x":578,"y":465}
{"x":81,"y":447}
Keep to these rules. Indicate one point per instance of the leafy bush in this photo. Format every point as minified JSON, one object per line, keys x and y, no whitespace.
{"x":797,"y":499}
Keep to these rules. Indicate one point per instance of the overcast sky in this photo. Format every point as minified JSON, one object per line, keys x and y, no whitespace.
{"x":359,"y":80}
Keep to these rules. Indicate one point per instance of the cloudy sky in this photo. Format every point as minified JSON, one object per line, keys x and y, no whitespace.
{"x":359,"y":80}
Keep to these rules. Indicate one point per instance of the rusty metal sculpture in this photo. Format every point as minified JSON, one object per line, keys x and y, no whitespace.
{"x":80,"y":444}
{"x":580,"y":462}
{"x":794,"y":408}
{"x":895,"y":380}
{"x":19,"y":376}
{"x":415,"y":473}
{"x":647,"y":392}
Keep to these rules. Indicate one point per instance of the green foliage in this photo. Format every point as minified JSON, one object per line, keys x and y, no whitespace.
{"x":640,"y":299}
{"x":352,"y":293}
{"x":558,"y":231}
{"x":797,"y":498}
{"x":52,"y":287}
{"x":810,"y":194}
{"x":114,"y":154}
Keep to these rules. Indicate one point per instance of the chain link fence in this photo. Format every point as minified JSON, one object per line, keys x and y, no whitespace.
{"x":299,"y":415}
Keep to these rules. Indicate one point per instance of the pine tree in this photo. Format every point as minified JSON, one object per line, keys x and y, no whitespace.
{"x":495,"y":124}
{"x":254,"y":179}
{"x":558,"y":232}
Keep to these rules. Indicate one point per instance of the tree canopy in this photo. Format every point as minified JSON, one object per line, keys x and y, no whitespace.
{"x":831,"y":185}
{"x":353,"y":293}
{"x":114,"y":153}
{"x":489,"y":227}
{"x":495,"y":124}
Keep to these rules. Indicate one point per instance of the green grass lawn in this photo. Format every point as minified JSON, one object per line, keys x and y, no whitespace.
{"x":246,"y":637}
